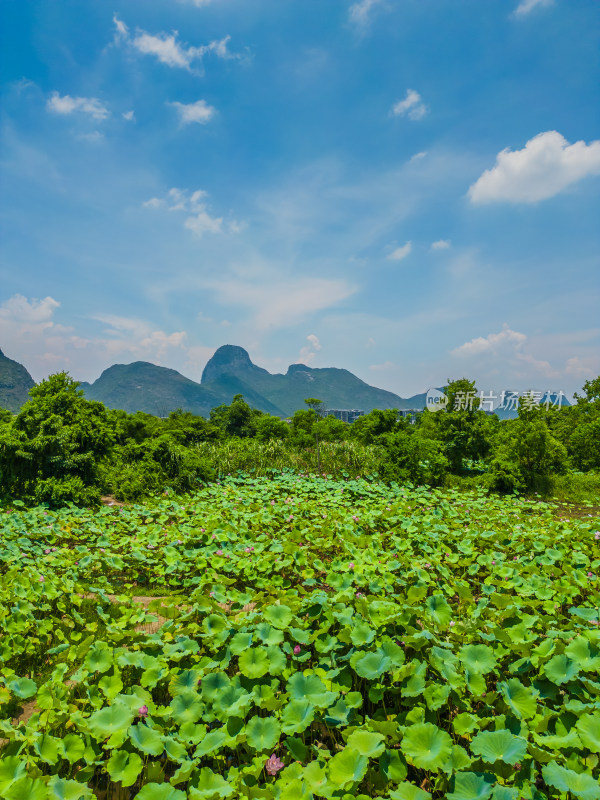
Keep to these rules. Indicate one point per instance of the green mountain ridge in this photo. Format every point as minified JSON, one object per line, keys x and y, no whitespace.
{"x":142,"y":386}
{"x":15,"y":383}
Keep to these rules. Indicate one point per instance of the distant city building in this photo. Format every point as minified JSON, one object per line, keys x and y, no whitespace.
{"x":409,"y":413}
{"x":345,"y":414}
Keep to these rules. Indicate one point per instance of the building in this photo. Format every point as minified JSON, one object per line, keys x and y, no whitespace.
{"x":345,"y":414}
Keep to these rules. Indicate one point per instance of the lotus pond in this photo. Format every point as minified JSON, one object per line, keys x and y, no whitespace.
{"x":298,"y":637}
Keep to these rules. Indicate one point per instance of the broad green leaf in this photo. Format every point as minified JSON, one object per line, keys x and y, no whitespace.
{"x":210,"y":785}
{"x":262,"y":733}
{"x":522,"y":700}
{"x":426,"y":746}
{"x":146,"y":739}
{"x":23,"y":688}
{"x":254,"y":662}
{"x":279,"y":616}
{"x":588,"y":727}
{"x":347,"y":767}
{"x":159,"y":791}
{"x":366,"y":743}
{"x":110,"y":720}
{"x":478,"y":658}
{"x":297,"y":716}
{"x":560,"y":669}
{"x":471,"y":786}
{"x":499,"y":746}
{"x":408,"y":791}
{"x":566,"y":780}
{"x":11,"y":769}
{"x":124,"y":767}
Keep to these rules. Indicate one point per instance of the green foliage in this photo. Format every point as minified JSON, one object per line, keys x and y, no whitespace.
{"x":311,"y":638}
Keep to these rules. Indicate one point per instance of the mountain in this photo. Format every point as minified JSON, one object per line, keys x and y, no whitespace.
{"x":337,"y":388}
{"x":145,"y":387}
{"x":15,"y":383}
{"x":157,"y":390}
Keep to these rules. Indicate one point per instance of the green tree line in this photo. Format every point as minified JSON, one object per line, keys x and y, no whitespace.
{"x":63,"y":448}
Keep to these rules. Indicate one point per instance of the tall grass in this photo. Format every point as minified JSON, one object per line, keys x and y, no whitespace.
{"x":260,"y":458}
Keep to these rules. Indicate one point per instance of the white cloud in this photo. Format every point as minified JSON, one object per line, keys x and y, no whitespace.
{"x":412,"y":106}
{"x":199,"y":112}
{"x":526,"y":6}
{"x":167,"y":47}
{"x":543,"y":168}
{"x":67,"y":105}
{"x":276,"y":303}
{"x":129,"y":116}
{"x":28,"y":312}
{"x":490,"y":342}
{"x":441,"y":244}
{"x":360,"y":12}
{"x":400,"y":252}
{"x":308,"y":352}
{"x":200,"y":221}
{"x":121,"y":30}
{"x":504,"y":352}
{"x":43,"y":345}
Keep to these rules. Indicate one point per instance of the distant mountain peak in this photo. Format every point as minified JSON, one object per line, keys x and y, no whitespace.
{"x":15,"y":383}
{"x":228,"y":359}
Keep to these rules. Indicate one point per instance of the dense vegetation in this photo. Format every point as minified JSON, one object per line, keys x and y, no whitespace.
{"x":309,"y":638}
{"x":61,"y":447}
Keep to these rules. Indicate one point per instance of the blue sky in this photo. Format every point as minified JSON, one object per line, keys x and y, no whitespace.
{"x":406,"y":189}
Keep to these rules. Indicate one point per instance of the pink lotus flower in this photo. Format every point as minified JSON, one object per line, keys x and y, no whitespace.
{"x":355,"y":518}
{"x":47,"y":551}
{"x":597,"y":535}
{"x":590,"y":574}
{"x":219,"y":552}
{"x":297,"y":649}
{"x":143,"y":711}
{"x":274,"y":764}
{"x":351,"y":565}
{"x":42,"y":579}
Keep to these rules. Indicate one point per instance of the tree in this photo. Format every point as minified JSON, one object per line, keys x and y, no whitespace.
{"x":318,"y":406}
{"x":52,"y":450}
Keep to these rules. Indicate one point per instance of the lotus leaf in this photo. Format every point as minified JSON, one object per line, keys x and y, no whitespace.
{"x":588,"y":728}
{"x":159,"y":791}
{"x":346,"y":767}
{"x":522,"y":700}
{"x":124,"y":767}
{"x":110,"y":720}
{"x":297,"y":716}
{"x":566,"y":780}
{"x":478,"y":658}
{"x":279,"y":616}
{"x":499,"y":746}
{"x":210,"y":785}
{"x":146,"y":739}
{"x":366,"y":743}
{"x":471,"y":786}
{"x":262,"y":733}
{"x":427,"y":746}
{"x":254,"y":662}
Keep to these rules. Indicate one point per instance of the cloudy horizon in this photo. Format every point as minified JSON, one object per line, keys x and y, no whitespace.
{"x":410,"y":194}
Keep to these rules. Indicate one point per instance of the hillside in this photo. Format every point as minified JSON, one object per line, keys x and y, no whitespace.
{"x":15,"y":383}
{"x":337,"y":388}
